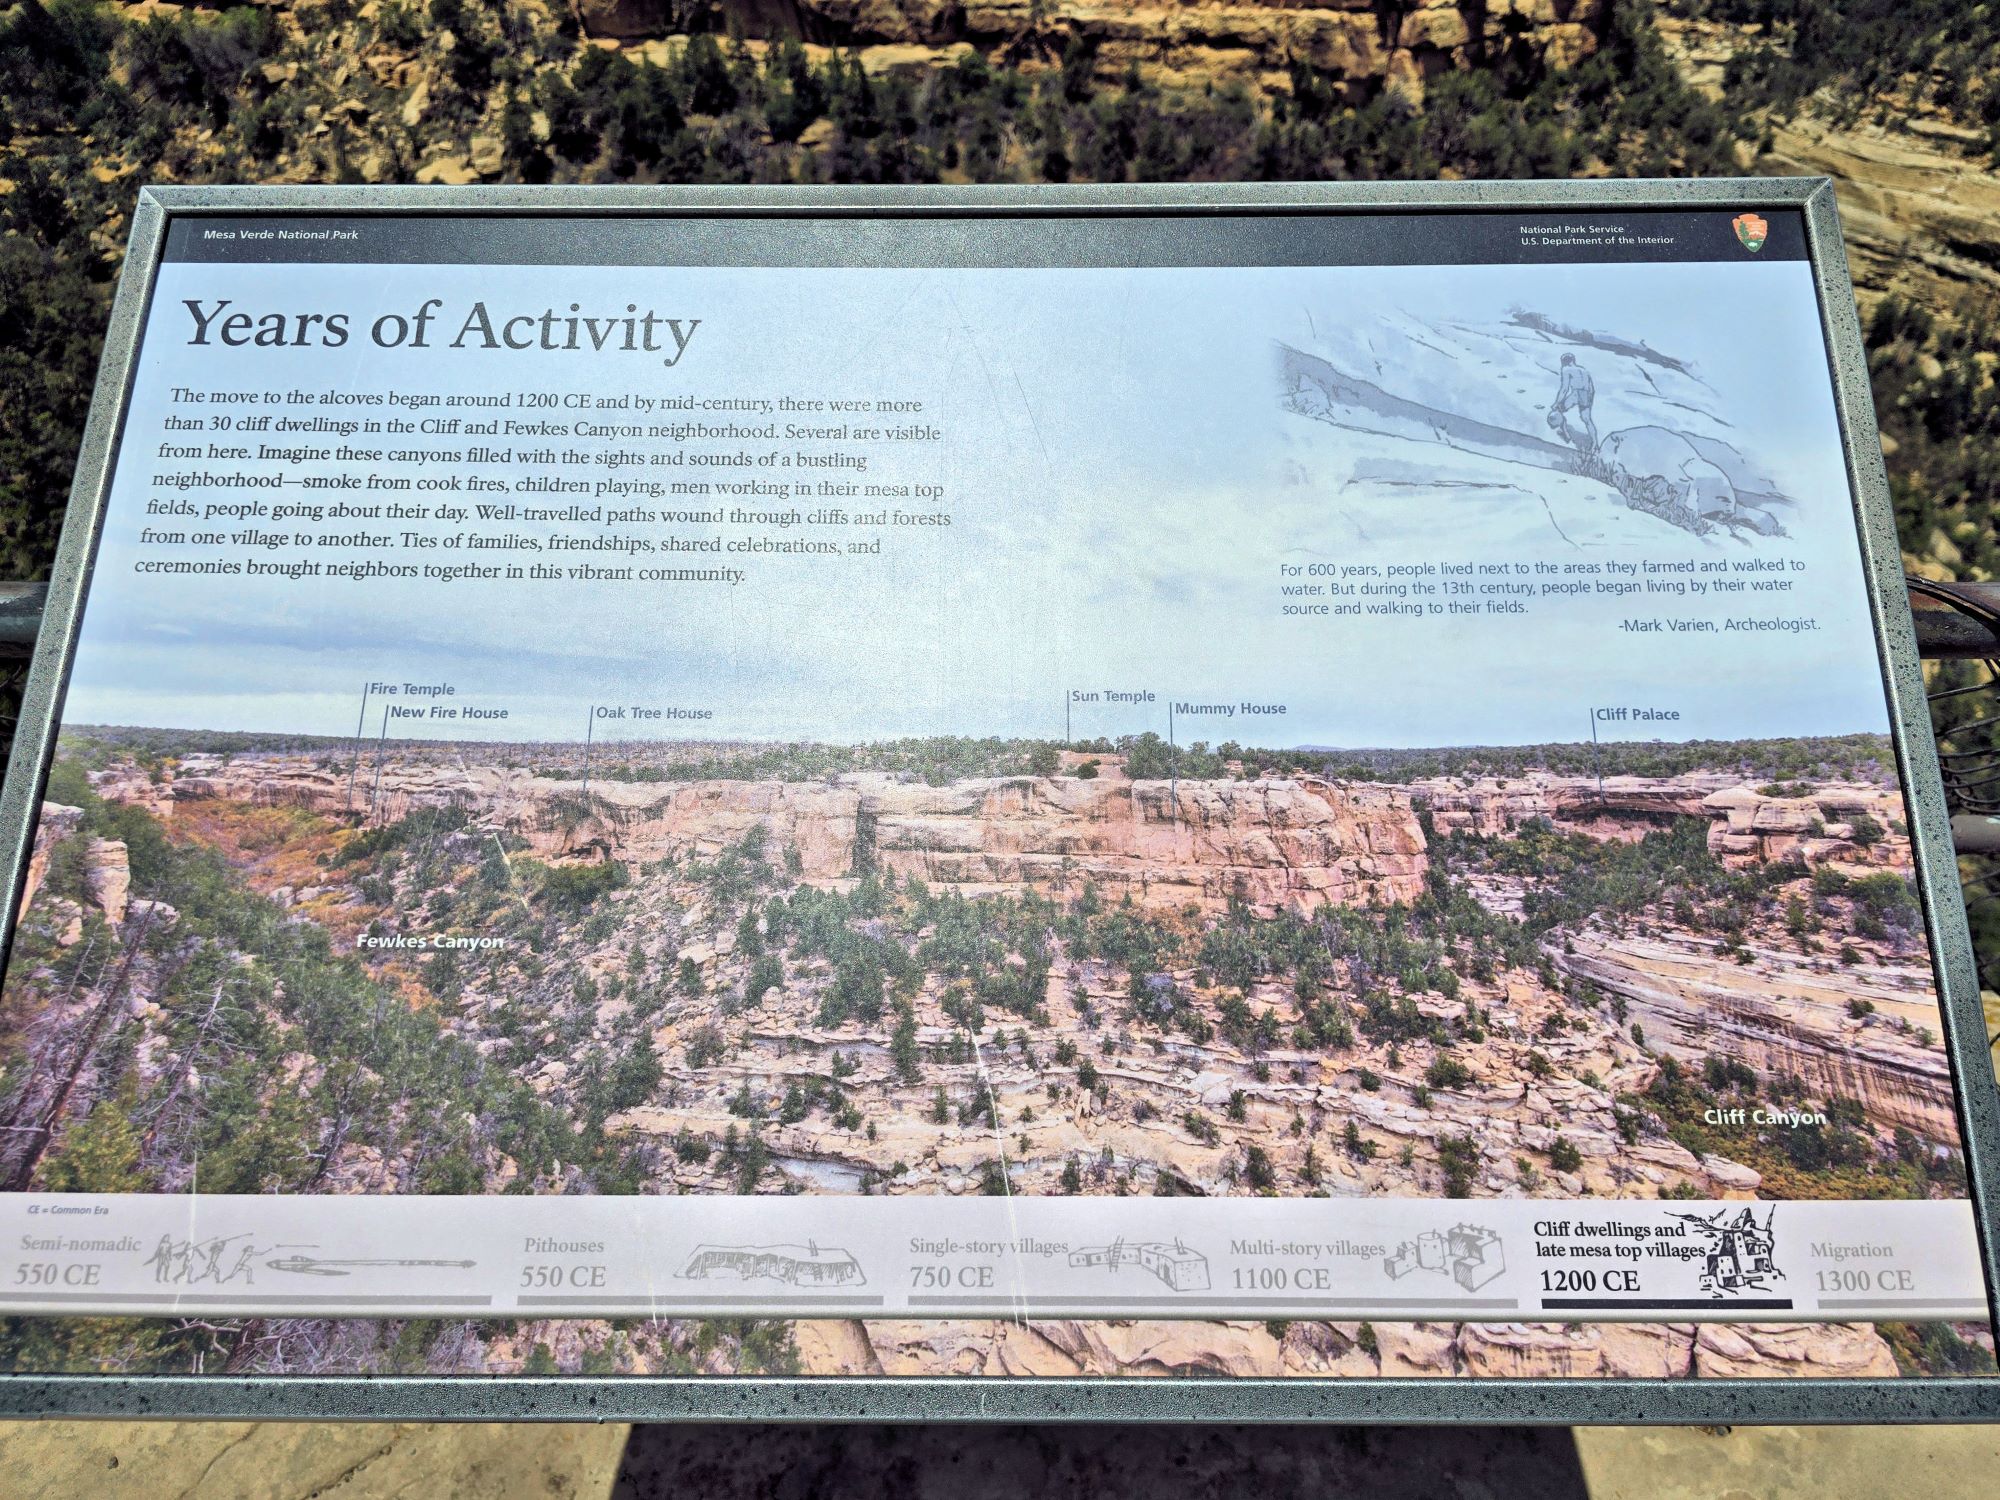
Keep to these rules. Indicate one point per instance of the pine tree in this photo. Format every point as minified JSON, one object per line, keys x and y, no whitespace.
{"x":903,"y":1045}
{"x":100,"y":1153}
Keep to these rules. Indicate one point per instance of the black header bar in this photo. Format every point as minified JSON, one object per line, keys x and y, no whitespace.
{"x":1031,"y":240}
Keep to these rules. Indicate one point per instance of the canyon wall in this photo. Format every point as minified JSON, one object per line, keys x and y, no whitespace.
{"x":1919,"y":203}
{"x":1854,"y":824}
{"x":1250,"y":1350}
{"x":1273,"y":843}
{"x":1367,"y":44}
{"x":1785,"y":1010}
{"x":1785,"y":1015}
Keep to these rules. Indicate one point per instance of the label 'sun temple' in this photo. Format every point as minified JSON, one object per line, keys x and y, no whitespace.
{"x":897,"y":803}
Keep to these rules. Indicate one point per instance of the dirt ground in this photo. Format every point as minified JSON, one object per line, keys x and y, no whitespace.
{"x":324,"y":1461}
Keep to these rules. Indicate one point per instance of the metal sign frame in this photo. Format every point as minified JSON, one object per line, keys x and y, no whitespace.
{"x":745,"y":1399}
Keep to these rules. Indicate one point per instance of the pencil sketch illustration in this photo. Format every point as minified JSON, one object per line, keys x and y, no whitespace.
{"x":299,"y":1264}
{"x":1739,"y":1252}
{"x":1470,"y":1254}
{"x":1577,"y":429}
{"x":221,"y":1260}
{"x":1178,"y":1268}
{"x":809,"y":1264}
{"x":215,"y":1261}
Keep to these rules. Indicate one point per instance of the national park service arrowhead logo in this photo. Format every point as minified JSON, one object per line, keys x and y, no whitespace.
{"x":1752,"y":229}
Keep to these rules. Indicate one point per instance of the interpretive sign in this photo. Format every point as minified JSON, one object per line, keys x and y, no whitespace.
{"x":1276,"y":789}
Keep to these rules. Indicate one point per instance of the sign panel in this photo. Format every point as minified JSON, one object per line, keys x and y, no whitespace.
{"x":1306,"y":796}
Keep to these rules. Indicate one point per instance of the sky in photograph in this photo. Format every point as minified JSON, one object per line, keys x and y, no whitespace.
{"x":1112,"y":460}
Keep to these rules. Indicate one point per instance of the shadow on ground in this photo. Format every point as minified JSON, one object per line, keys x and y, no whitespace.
{"x":1185,"y":1461}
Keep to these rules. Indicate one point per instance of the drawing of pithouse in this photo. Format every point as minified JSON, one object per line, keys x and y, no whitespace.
{"x":1182,"y":1269}
{"x":809,"y":1264}
{"x":1518,"y":426}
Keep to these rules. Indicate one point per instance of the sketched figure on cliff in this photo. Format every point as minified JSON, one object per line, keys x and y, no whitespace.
{"x":1466,"y":405}
{"x":1577,"y":393}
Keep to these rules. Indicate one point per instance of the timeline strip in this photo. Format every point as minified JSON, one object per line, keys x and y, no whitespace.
{"x":1500,"y":1260}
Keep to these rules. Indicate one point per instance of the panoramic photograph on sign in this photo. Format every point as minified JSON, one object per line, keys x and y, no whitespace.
{"x":1274,"y":797}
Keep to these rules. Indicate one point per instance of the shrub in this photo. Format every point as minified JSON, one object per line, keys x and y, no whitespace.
{"x":765,"y":975}
{"x":704,"y":1046}
{"x":1721,"y":1072}
{"x":1257,"y":1169}
{"x":575,"y":888}
{"x":1458,"y":1156}
{"x":1447,"y":1072}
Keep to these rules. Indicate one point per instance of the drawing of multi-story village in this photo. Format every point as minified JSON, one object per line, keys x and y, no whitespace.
{"x":1471,"y":1254}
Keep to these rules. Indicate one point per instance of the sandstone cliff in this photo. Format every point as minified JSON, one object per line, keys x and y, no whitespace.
{"x":1854,"y":824}
{"x":1919,"y":202}
{"x":1368,"y":46}
{"x":1272,"y":843}
{"x":1786,"y":1015}
{"x":1549,"y":1350}
{"x":103,"y":877}
{"x":55,"y":824}
{"x":1785,"y":1010}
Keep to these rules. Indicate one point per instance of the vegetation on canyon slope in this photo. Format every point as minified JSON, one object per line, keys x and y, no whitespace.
{"x":532,"y":1052}
{"x":96,"y":103}
{"x":939,"y":759}
{"x":93,"y":103}
{"x":1863,"y":56}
